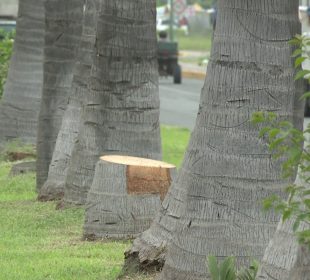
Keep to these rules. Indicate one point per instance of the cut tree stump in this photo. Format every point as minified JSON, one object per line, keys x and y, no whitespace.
{"x":125,"y":195}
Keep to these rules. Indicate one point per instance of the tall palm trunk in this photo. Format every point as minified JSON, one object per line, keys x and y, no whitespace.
{"x":215,"y":204}
{"x":54,"y":186}
{"x":22,"y":92}
{"x":228,"y":169}
{"x":121,"y":115}
{"x":62,"y":34}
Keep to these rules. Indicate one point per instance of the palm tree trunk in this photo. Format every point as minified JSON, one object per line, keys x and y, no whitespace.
{"x":284,"y":258}
{"x":22,"y":93}
{"x":121,"y":115}
{"x":63,"y":31}
{"x":228,"y":170}
{"x":53,"y":188}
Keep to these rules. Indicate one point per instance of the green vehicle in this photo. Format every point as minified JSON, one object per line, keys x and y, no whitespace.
{"x":168,"y":60}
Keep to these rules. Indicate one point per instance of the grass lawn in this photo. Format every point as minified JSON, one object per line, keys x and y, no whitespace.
{"x":194,"y":41}
{"x":37,"y":242}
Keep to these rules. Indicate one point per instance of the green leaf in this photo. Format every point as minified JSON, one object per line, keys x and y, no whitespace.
{"x":274,"y":132}
{"x":297,"y":52}
{"x":307,"y":203}
{"x":227,"y":268}
{"x":305,"y":193}
{"x":213,"y":268}
{"x":250,"y":273}
{"x":269,"y":202}
{"x":295,"y":41}
{"x":258,"y":117}
{"x":305,"y":95}
{"x":264,"y":130}
{"x":296,"y":225}
{"x":299,"y":61}
{"x":274,"y":144}
{"x":286,"y":214}
{"x":301,"y":74}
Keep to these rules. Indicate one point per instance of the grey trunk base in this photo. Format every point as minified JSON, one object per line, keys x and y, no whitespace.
{"x":144,"y":257}
{"x":51,"y":191}
{"x":285,"y":258}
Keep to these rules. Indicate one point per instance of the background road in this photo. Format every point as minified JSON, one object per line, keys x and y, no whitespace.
{"x":179,"y":103}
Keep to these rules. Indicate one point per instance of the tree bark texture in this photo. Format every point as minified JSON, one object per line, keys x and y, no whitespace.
{"x":63,"y":27}
{"x":53,"y":188}
{"x":22,"y":92}
{"x":125,"y":195}
{"x":148,"y":251}
{"x":285,"y":258}
{"x":228,"y":170}
{"x":121,"y":115}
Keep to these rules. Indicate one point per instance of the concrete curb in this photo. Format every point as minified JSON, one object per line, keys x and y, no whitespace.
{"x":193,"y":75}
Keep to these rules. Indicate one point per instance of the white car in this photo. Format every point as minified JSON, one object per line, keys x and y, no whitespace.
{"x":164,"y":25}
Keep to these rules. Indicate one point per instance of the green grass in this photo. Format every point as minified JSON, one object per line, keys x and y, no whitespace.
{"x":37,"y":242}
{"x":194,"y":41}
{"x":16,"y":146}
{"x":174,"y":143}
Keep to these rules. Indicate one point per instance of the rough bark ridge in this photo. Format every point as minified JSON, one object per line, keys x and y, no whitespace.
{"x":229,"y":168}
{"x":63,"y":27}
{"x":124,"y":197}
{"x":148,"y":250}
{"x":22,"y":92}
{"x":121,"y":115}
{"x":284,"y":258}
{"x":53,"y":188}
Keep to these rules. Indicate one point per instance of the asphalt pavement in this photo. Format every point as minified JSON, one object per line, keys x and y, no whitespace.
{"x":179,"y":103}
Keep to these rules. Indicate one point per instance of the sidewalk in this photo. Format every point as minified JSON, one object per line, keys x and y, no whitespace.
{"x":191,"y":69}
{"x":194,"y":54}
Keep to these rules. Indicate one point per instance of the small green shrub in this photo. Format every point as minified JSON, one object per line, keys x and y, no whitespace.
{"x":6,"y":47}
{"x":227,"y":270}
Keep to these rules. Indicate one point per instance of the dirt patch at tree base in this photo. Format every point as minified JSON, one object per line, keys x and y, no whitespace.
{"x":15,"y":156}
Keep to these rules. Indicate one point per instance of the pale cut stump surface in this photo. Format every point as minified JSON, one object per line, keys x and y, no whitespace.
{"x":125,"y":195}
